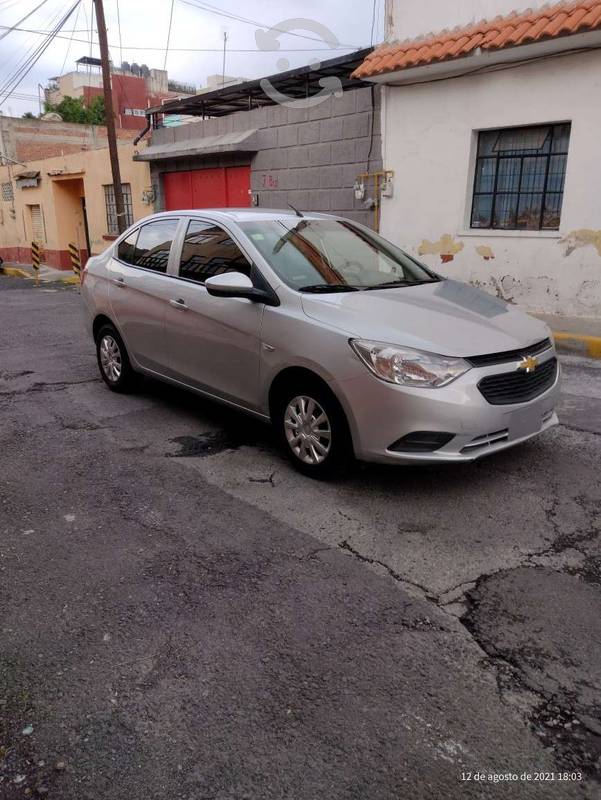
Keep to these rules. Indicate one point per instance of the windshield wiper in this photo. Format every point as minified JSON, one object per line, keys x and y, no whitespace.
{"x":393,"y":284}
{"x":323,"y":288}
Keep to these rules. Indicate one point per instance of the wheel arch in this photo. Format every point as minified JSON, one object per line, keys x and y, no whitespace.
{"x":288,"y":375}
{"x":99,"y":321}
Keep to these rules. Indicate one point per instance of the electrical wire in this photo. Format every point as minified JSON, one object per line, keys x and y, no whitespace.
{"x":11,"y":84}
{"x":373,"y":21}
{"x":485,"y":69}
{"x":2,"y":35}
{"x":213,"y":10}
{"x":71,"y":39}
{"x":119,"y":30}
{"x":169,"y":34}
{"x":28,"y":49}
{"x":187,"y":49}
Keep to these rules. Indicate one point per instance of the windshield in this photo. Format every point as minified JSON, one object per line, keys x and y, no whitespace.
{"x":329,"y":255}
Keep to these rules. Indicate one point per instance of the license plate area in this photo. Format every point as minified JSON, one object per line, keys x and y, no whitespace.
{"x":525,"y":422}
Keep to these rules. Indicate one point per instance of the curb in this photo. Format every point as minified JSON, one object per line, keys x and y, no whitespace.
{"x":15,"y":272}
{"x":72,"y":280}
{"x":578,"y":344}
{"x":18,"y":272}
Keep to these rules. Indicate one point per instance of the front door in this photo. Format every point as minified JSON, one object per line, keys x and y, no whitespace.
{"x":213,"y":342}
{"x":139,"y":291}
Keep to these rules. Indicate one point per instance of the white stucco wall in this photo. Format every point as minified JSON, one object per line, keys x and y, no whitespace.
{"x":430,"y":135}
{"x":408,"y":19}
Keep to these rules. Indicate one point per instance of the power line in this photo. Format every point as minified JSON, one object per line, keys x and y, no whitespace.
{"x":190,"y":49}
{"x":119,"y":29}
{"x":168,"y":34}
{"x":254,"y":23}
{"x":2,"y":35}
{"x":31,"y":50}
{"x":373,"y":21}
{"x":11,"y":84}
{"x":71,"y":39}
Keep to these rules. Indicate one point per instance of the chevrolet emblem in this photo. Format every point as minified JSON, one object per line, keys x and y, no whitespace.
{"x":528,"y":364}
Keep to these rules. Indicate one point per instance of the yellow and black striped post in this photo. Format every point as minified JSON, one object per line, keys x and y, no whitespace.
{"x":36,"y":257}
{"x":75,"y":259}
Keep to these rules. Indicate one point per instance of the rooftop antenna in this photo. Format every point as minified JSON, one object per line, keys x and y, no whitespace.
{"x":296,"y":211}
{"x":223,"y":63}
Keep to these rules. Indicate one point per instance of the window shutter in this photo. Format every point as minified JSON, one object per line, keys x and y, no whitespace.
{"x":37,"y":224}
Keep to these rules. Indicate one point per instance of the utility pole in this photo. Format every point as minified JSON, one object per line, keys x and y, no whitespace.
{"x":109,"y":114}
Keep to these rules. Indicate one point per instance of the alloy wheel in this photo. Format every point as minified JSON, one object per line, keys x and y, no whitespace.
{"x":308,"y":430}
{"x":110,"y":358}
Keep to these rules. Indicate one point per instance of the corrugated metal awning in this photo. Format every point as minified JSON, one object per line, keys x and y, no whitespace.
{"x":239,"y":142}
{"x":311,"y":80}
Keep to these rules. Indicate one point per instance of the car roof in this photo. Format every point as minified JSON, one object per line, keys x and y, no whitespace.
{"x":243,"y":214}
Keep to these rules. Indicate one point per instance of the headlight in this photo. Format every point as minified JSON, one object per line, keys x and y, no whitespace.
{"x":408,"y":367}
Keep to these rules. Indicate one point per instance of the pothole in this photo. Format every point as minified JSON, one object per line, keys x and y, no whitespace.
{"x":205,"y":444}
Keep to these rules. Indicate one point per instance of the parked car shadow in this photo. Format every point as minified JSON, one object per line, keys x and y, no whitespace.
{"x":232,"y":429}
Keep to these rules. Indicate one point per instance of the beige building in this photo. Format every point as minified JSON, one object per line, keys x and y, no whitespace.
{"x":68,"y":199}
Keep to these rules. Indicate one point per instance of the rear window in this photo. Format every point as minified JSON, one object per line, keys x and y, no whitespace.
{"x":154,"y":244}
{"x":126,"y":250}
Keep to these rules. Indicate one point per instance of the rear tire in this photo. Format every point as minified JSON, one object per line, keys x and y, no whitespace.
{"x":113,"y":361}
{"x":312,"y":429}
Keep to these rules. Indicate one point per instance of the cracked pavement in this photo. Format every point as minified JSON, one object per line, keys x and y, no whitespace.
{"x":182,"y":615}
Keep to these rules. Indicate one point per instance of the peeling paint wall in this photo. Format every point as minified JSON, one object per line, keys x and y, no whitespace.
{"x":430,"y":134}
{"x":446,"y":247}
{"x":485,"y":252}
{"x":582,"y":238}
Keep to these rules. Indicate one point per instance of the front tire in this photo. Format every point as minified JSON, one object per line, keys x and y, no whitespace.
{"x":313,"y":431}
{"x":113,"y":361}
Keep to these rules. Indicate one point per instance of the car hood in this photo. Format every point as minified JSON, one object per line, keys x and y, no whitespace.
{"x":446,"y":317}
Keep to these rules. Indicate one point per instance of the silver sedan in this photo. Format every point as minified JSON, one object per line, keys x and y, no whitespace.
{"x":349,"y":346}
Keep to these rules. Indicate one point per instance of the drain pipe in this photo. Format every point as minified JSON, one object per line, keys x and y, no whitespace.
{"x":145,"y":130}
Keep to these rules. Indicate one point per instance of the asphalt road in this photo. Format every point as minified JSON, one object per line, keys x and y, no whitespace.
{"x":183,"y":616}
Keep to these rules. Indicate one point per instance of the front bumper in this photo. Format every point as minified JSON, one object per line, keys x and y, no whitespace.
{"x":381,"y":413}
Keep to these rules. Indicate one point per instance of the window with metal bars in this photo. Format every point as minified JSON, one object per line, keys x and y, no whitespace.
{"x":7,"y":192}
{"x":519,"y":179}
{"x":111,"y":208}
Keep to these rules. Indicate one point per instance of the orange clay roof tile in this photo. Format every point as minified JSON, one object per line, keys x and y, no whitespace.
{"x":561,"y":19}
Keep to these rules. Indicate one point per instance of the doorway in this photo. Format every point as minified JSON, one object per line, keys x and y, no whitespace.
{"x":71,"y":217}
{"x":216,"y":187}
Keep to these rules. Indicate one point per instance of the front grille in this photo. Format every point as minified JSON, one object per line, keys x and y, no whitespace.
{"x":509,"y":355}
{"x":518,"y":386}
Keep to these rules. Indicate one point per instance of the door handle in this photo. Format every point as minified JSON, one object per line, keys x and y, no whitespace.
{"x":120,"y":282}
{"x":180,"y":304}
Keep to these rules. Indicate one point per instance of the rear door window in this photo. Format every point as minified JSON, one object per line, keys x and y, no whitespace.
{"x":210,"y":250}
{"x":154,"y":244}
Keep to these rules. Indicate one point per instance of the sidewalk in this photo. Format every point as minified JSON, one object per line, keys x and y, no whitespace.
{"x":47,"y":274}
{"x":575,"y":335}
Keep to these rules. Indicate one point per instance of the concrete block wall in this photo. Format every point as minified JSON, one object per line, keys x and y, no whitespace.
{"x":307,"y":157}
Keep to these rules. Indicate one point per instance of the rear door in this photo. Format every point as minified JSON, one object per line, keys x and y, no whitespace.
{"x":213,"y":342}
{"x":139,"y":290}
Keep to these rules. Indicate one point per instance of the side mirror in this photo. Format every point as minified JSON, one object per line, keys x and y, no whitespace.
{"x":236,"y":284}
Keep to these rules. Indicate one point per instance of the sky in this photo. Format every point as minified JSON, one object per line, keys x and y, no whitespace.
{"x":197,"y":26}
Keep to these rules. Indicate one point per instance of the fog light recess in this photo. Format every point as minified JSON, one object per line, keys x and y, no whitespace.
{"x":421,"y":442}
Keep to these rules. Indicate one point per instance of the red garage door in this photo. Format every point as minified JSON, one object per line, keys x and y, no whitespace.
{"x":219,"y":187}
